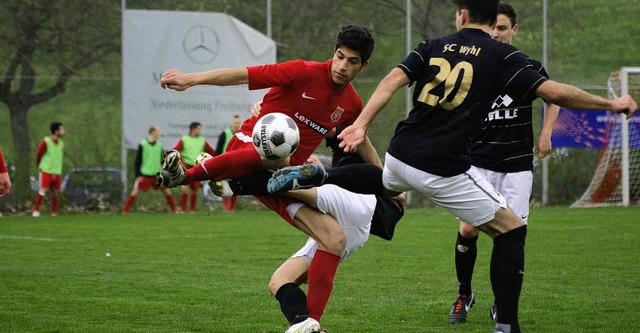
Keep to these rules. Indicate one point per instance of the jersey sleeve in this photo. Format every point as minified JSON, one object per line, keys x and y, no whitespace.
{"x":520,"y":76}
{"x":42,"y":148}
{"x":221,"y":138}
{"x":138,"y":162}
{"x":416,"y":62}
{"x":3,"y":167}
{"x":274,"y":75}
{"x":178,"y":145}
{"x":208,"y":149}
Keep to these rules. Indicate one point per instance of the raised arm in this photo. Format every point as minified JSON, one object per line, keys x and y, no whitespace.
{"x":543,"y":145}
{"x":177,"y":80}
{"x":572,"y":97}
{"x":355,"y":134}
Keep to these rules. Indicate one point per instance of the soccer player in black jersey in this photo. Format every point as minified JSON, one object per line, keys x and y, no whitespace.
{"x":456,"y":81}
{"x":502,"y":154}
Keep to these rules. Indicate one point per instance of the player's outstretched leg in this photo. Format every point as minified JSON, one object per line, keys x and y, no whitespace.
{"x":173,"y":171}
{"x":296,"y":177}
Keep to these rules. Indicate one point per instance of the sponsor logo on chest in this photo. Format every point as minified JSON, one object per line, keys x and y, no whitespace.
{"x":501,"y":103}
{"x":312,"y":124}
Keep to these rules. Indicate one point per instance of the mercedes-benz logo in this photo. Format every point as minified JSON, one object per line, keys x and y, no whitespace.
{"x":200,"y":44}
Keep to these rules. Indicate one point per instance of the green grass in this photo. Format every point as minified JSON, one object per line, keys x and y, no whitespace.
{"x":209,"y":273}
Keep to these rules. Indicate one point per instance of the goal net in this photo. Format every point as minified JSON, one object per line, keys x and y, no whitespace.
{"x":617,"y":177}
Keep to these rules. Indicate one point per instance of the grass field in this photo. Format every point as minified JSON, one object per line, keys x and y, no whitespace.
{"x":209,"y":273}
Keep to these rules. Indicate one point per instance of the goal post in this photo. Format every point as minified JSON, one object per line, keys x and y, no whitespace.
{"x":616,"y":180}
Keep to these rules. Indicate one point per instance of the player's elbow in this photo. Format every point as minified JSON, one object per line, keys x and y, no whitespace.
{"x":552,"y":92}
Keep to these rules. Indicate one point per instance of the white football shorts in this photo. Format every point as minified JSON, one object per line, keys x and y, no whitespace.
{"x":467,"y":196}
{"x":354,"y":213}
{"x":514,"y":186}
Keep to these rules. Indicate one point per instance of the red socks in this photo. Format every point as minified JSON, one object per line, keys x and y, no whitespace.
{"x":322,"y":270}
{"x":194,"y":199}
{"x":230,"y":203}
{"x":36,"y":206}
{"x":229,"y":165}
{"x":128,"y":203}
{"x":54,"y":205}
{"x":171,"y":202}
{"x":183,"y":201}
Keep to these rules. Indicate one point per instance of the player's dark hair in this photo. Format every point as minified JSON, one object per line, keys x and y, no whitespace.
{"x":54,"y":127}
{"x":153,"y":128}
{"x":236,"y":116}
{"x":506,"y":9}
{"x":480,"y":11}
{"x":358,"y":39}
{"x":194,"y":125}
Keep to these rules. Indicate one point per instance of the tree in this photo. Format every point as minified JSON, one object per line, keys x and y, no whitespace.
{"x":48,"y":38}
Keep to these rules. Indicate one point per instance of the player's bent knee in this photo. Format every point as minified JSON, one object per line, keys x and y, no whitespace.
{"x":335,"y":243}
{"x":468,"y":231}
{"x":504,"y":221}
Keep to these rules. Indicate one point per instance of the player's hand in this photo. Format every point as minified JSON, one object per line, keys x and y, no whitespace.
{"x":543,"y":146}
{"x":5,"y":184}
{"x":175,"y":79}
{"x":256,"y":108}
{"x":352,"y":137}
{"x":624,"y":104}
{"x":399,"y":200}
{"x":314,"y":160}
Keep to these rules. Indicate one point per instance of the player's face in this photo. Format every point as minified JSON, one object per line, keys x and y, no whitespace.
{"x":196,"y":131}
{"x":235,"y":124}
{"x":60,"y":132}
{"x":155,"y":134}
{"x":346,"y":65}
{"x":503,"y":32}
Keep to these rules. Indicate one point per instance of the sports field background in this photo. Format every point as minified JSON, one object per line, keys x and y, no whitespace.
{"x":208,"y":272}
{"x":583,"y":43}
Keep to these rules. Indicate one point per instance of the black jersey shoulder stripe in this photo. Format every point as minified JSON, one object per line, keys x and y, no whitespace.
{"x":512,"y":53}
{"x":405,"y":68}
{"x":419,"y":55}
{"x":514,"y":76}
{"x":535,"y":84}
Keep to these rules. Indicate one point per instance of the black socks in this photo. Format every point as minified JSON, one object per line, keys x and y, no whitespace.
{"x":293,"y":303}
{"x":466,"y":253}
{"x":507,"y":272}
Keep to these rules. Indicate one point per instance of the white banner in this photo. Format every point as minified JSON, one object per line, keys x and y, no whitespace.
{"x":154,"y":41}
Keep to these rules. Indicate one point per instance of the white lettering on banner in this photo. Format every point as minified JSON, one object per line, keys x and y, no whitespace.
{"x":190,"y":42}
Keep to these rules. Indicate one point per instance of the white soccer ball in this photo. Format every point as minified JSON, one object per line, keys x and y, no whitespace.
{"x":201,"y":158}
{"x":276,"y":136}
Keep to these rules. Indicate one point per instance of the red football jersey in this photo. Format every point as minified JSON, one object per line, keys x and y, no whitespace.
{"x":304,"y":91}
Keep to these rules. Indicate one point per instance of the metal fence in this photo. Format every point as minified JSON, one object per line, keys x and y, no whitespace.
{"x":61,"y":62}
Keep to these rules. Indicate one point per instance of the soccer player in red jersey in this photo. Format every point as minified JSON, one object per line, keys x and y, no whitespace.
{"x":319,"y":97}
{"x":49,"y":158}
{"x":190,"y":146}
{"x":5,"y":182}
{"x":148,"y":163}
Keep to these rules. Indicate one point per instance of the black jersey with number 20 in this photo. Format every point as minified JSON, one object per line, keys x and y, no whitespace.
{"x":456,"y":79}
